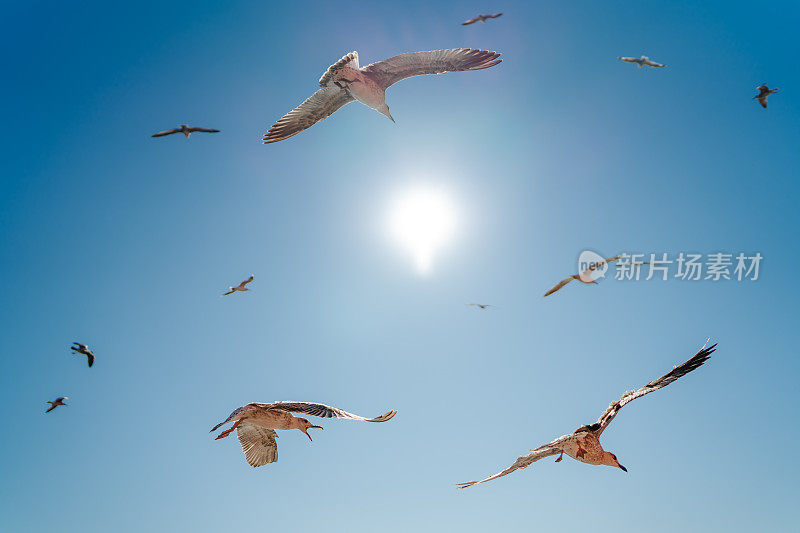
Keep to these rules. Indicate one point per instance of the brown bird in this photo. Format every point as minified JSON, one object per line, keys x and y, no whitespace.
{"x":240,"y":287}
{"x":763,"y":93}
{"x":82,"y":349}
{"x":255,"y":425}
{"x":186,"y":130}
{"x":56,"y":403}
{"x":584,"y":444}
{"x":481,"y":18}
{"x":482,"y":306}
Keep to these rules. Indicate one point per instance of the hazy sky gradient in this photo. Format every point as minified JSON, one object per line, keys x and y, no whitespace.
{"x":124,"y":242}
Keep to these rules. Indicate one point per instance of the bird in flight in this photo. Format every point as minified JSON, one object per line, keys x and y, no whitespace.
{"x":642,"y":61}
{"x":186,"y":130}
{"x":586,"y":275}
{"x":482,"y":306}
{"x":56,"y":403}
{"x":480,"y":18}
{"x":345,"y":81}
{"x":255,"y":425}
{"x":240,"y":287}
{"x":584,"y":444}
{"x":78,"y":348}
{"x":763,"y":92}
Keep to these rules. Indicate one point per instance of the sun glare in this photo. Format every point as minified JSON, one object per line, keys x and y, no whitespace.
{"x":422,"y":220}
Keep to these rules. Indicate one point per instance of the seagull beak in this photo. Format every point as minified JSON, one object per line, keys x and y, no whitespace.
{"x":622,"y":467}
{"x":311,"y":427}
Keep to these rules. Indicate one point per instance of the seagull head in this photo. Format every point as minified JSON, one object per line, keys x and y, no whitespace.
{"x":610,"y":459}
{"x":384,"y":109}
{"x":305,"y":425}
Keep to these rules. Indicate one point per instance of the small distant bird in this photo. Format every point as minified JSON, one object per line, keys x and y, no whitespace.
{"x":586,"y":275}
{"x":255,"y":425}
{"x":481,"y":18}
{"x":482,"y":306}
{"x":584,"y":444}
{"x":240,"y":287}
{"x":642,"y":61}
{"x":345,"y":81}
{"x":186,"y":130}
{"x":79,"y":348}
{"x":56,"y":403}
{"x":763,"y":92}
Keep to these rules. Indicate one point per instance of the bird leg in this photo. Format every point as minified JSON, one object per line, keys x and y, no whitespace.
{"x":560,"y":457}
{"x":229,"y":431}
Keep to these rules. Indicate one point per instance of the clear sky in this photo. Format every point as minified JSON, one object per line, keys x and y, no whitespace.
{"x":125,"y":242}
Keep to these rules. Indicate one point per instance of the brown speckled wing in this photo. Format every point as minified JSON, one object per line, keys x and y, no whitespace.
{"x":400,"y":67}
{"x":326,"y":411}
{"x":319,"y":106}
{"x":258,"y":444}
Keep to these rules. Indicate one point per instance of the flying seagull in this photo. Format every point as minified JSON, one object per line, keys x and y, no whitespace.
{"x":482,"y":306}
{"x":186,"y":130}
{"x":763,"y":92}
{"x":584,"y":444}
{"x":79,"y":348}
{"x":255,"y":425}
{"x":642,"y":61}
{"x":56,"y":403}
{"x":345,"y":81}
{"x":481,"y":18}
{"x":586,"y":275}
{"x":240,"y":287}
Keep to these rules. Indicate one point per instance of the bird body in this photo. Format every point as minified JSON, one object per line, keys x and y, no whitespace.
{"x":56,"y":403}
{"x":345,"y":81}
{"x":186,"y":130}
{"x":584,"y":444}
{"x":242,"y":287}
{"x":255,"y":425}
{"x":78,"y":348}
{"x":642,"y":61}
{"x":763,"y":93}
{"x":480,"y":18}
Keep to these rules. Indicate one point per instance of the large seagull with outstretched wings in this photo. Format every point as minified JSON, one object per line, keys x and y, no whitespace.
{"x":584,"y":444}
{"x":345,"y":82}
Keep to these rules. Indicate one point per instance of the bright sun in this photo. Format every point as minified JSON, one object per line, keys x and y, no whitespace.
{"x":422,"y":219}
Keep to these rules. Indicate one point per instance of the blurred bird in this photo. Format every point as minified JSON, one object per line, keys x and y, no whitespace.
{"x":642,"y":61}
{"x":586,"y":275}
{"x":240,"y":287}
{"x":186,"y":130}
{"x":56,"y":403}
{"x":255,"y":425}
{"x":82,"y":349}
{"x":584,"y":444}
{"x":481,"y":18}
{"x":345,"y":81}
{"x":763,"y":93}
{"x":482,"y":306}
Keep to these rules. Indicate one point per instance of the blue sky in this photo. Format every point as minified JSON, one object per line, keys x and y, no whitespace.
{"x":124,"y":242}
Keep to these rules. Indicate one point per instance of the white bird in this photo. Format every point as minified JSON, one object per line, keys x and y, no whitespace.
{"x":82,"y":349}
{"x":186,"y":130}
{"x":642,"y":61}
{"x":584,"y":444}
{"x":763,"y":93}
{"x":255,"y":425}
{"x":56,"y":403}
{"x":240,"y":287}
{"x":586,"y":275}
{"x":480,"y":18}
{"x":345,"y":81}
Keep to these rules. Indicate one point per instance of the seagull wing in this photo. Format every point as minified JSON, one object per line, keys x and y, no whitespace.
{"x":258,"y":444}
{"x":319,"y":106}
{"x":90,"y":357}
{"x":166,"y":132}
{"x":325,"y":411}
{"x":248,"y":280}
{"x":53,"y":405}
{"x":204,"y":130}
{"x":629,"y":59}
{"x":231,"y":291}
{"x":524,"y":461}
{"x":679,"y":371}
{"x":493,"y":16}
{"x":470,"y":21}
{"x":400,"y":67}
{"x":597,"y":265}
{"x":763,"y":101}
{"x":559,"y":286}
{"x":651,"y":63}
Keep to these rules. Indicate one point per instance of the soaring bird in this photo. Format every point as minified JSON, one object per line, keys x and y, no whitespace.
{"x":482,"y":306}
{"x":763,"y":92}
{"x":255,"y":425}
{"x":584,"y":444}
{"x":56,"y":403}
{"x":642,"y":61}
{"x":186,"y":130}
{"x":586,"y":275}
{"x":240,"y":287}
{"x":79,"y":348}
{"x":345,"y":81}
{"x":481,"y":18}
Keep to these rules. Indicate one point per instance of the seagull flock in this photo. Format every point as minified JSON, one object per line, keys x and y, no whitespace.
{"x":346,"y":81}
